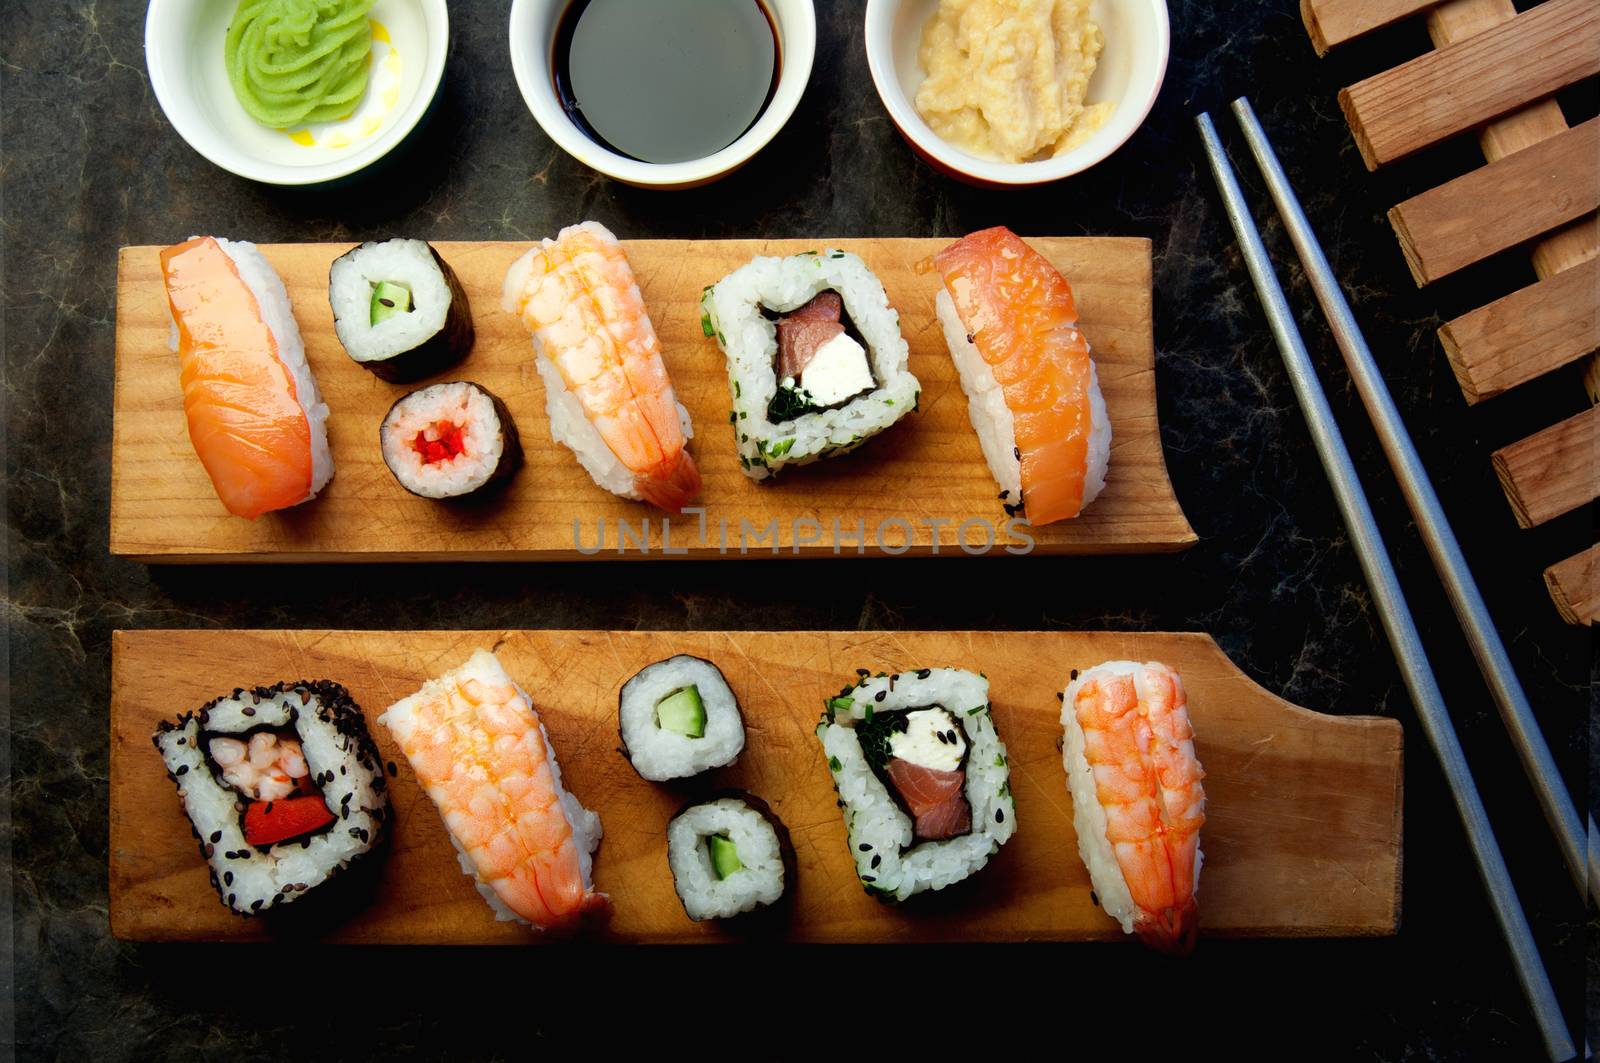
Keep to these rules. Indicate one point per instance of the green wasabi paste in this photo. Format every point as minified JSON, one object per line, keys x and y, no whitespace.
{"x":294,"y":62}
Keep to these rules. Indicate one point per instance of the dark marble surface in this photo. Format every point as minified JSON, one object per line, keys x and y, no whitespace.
{"x":89,"y":163}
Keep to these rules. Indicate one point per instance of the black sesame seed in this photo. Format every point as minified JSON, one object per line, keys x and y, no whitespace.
{"x":864,"y":847}
{"x":208,"y":849}
{"x":942,"y":739}
{"x":392,"y":769}
{"x":1016,"y":452}
{"x":924,"y":673}
{"x":1074,"y":674}
{"x":248,"y":711}
{"x":971,"y":337}
{"x":1094,"y":898}
{"x":216,"y":835}
{"x":227,"y":878}
{"x":1061,"y":695}
{"x":876,"y":860}
{"x":181,"y":740}
{"x":183,"y":769}
{"x":862,"y":672}
{"x":999,"y":815}
{"x":255,"y":905}
{"x":230,"y":899}
{"x":880,"y":695}
{"x":869,"y":878}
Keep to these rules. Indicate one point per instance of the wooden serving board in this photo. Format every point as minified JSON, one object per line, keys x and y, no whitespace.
{"x":1302,"y":837}
{"x":927,"y":468}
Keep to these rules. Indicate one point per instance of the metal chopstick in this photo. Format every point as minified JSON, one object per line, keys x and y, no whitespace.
{"x":1470,"y":609}
{"x":1392,"y":608}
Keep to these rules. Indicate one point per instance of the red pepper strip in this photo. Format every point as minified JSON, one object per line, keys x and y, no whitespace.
{"x":270,"y":822}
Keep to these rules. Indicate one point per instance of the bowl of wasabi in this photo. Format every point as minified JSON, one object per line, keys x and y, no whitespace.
{"x":295,"y":92}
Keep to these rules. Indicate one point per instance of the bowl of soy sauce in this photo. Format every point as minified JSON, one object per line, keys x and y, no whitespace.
{"x":662,"y":94}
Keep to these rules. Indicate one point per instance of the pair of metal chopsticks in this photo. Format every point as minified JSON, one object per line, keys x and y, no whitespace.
{"x":1395,"y":614}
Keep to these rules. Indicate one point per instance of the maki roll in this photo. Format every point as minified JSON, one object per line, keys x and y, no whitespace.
{"x":485,"y":760}
{"x":256,"y":419}
{"x":450,"y":440}
{"x":679,"y":717}
{"x":399,"y":310}
{"x":282,"y":786}
{"x":729,"y":857}
{"x":816,"y":361}
{"x":1128,"y":723}
{"x":922,"y":777}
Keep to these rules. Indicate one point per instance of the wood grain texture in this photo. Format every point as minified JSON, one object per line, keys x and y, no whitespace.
{"x":1500,"y":205}
{"x":1302,"y":838}
{"x":1465,"y":84}
{"x":927,"y":467}
{"x":1574,"y":586}
{"x":1332,"y":22}
{"x":1525,"y":334}
{"x":1457,"y":20}
{"x":1551,"y":472}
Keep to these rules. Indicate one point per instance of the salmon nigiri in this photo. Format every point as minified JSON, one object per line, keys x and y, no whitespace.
{"x":485,"y":761}
{"x":1032,"y":393}
{"x":606,"y":388}
{"x":255,"y":417}
{"x":1137,"y":800}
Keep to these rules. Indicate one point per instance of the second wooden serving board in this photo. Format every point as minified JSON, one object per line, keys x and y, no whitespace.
{"x":908,"y":490}
{"x":1303,"y":817}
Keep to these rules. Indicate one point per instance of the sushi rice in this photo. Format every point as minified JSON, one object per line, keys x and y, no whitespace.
{"x":731,"y":310}
{"x":342,"y":759}
{"x":888,"y":863}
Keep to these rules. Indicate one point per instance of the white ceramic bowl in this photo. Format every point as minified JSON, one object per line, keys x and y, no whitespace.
{"x":183,"y":49}
{"x":533,"y":30}
{"x":1131,"y":67}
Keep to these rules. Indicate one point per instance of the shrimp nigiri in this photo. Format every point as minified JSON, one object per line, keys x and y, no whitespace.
{"x":607,"y":392}
{"x":1033,"y":395}
{"x":484,"y":759}
{"x":1137,"y":802}
{"x":255,"y":418}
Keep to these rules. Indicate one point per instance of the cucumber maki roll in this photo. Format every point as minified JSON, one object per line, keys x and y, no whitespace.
{"x":399,"y":310}
{"x":283,"y":788}
{"x":729,"y":857}
{"x":678,"y":718}
{"x":922,"y":778}
{"x":816,"y":362}
{"x":450,"y":440}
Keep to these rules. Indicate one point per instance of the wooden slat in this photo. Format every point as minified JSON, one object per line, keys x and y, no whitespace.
{"x":1332,"y":22}
{"x":1450,"y":90}
{"x":1526,"y":334}
{"x":1551,"y":472}
{"x":1500,"y":205}
{"x":1573,"y":586}
{"x":163,"y":508}
{"x":1303,"y":813}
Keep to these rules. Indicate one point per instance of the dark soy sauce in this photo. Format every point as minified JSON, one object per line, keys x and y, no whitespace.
{"x":665,"y":80}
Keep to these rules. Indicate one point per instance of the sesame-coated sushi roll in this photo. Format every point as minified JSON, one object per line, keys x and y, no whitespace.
{"x":922,"y":777}
{"x":282,"y":786}
{"x":450,"y":441}
{"x":485,"y":760}
{"x":729,"y":856}
{"x":399,"y":310}
{"x":679,"y":717}
{"x":1137,"y":800}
